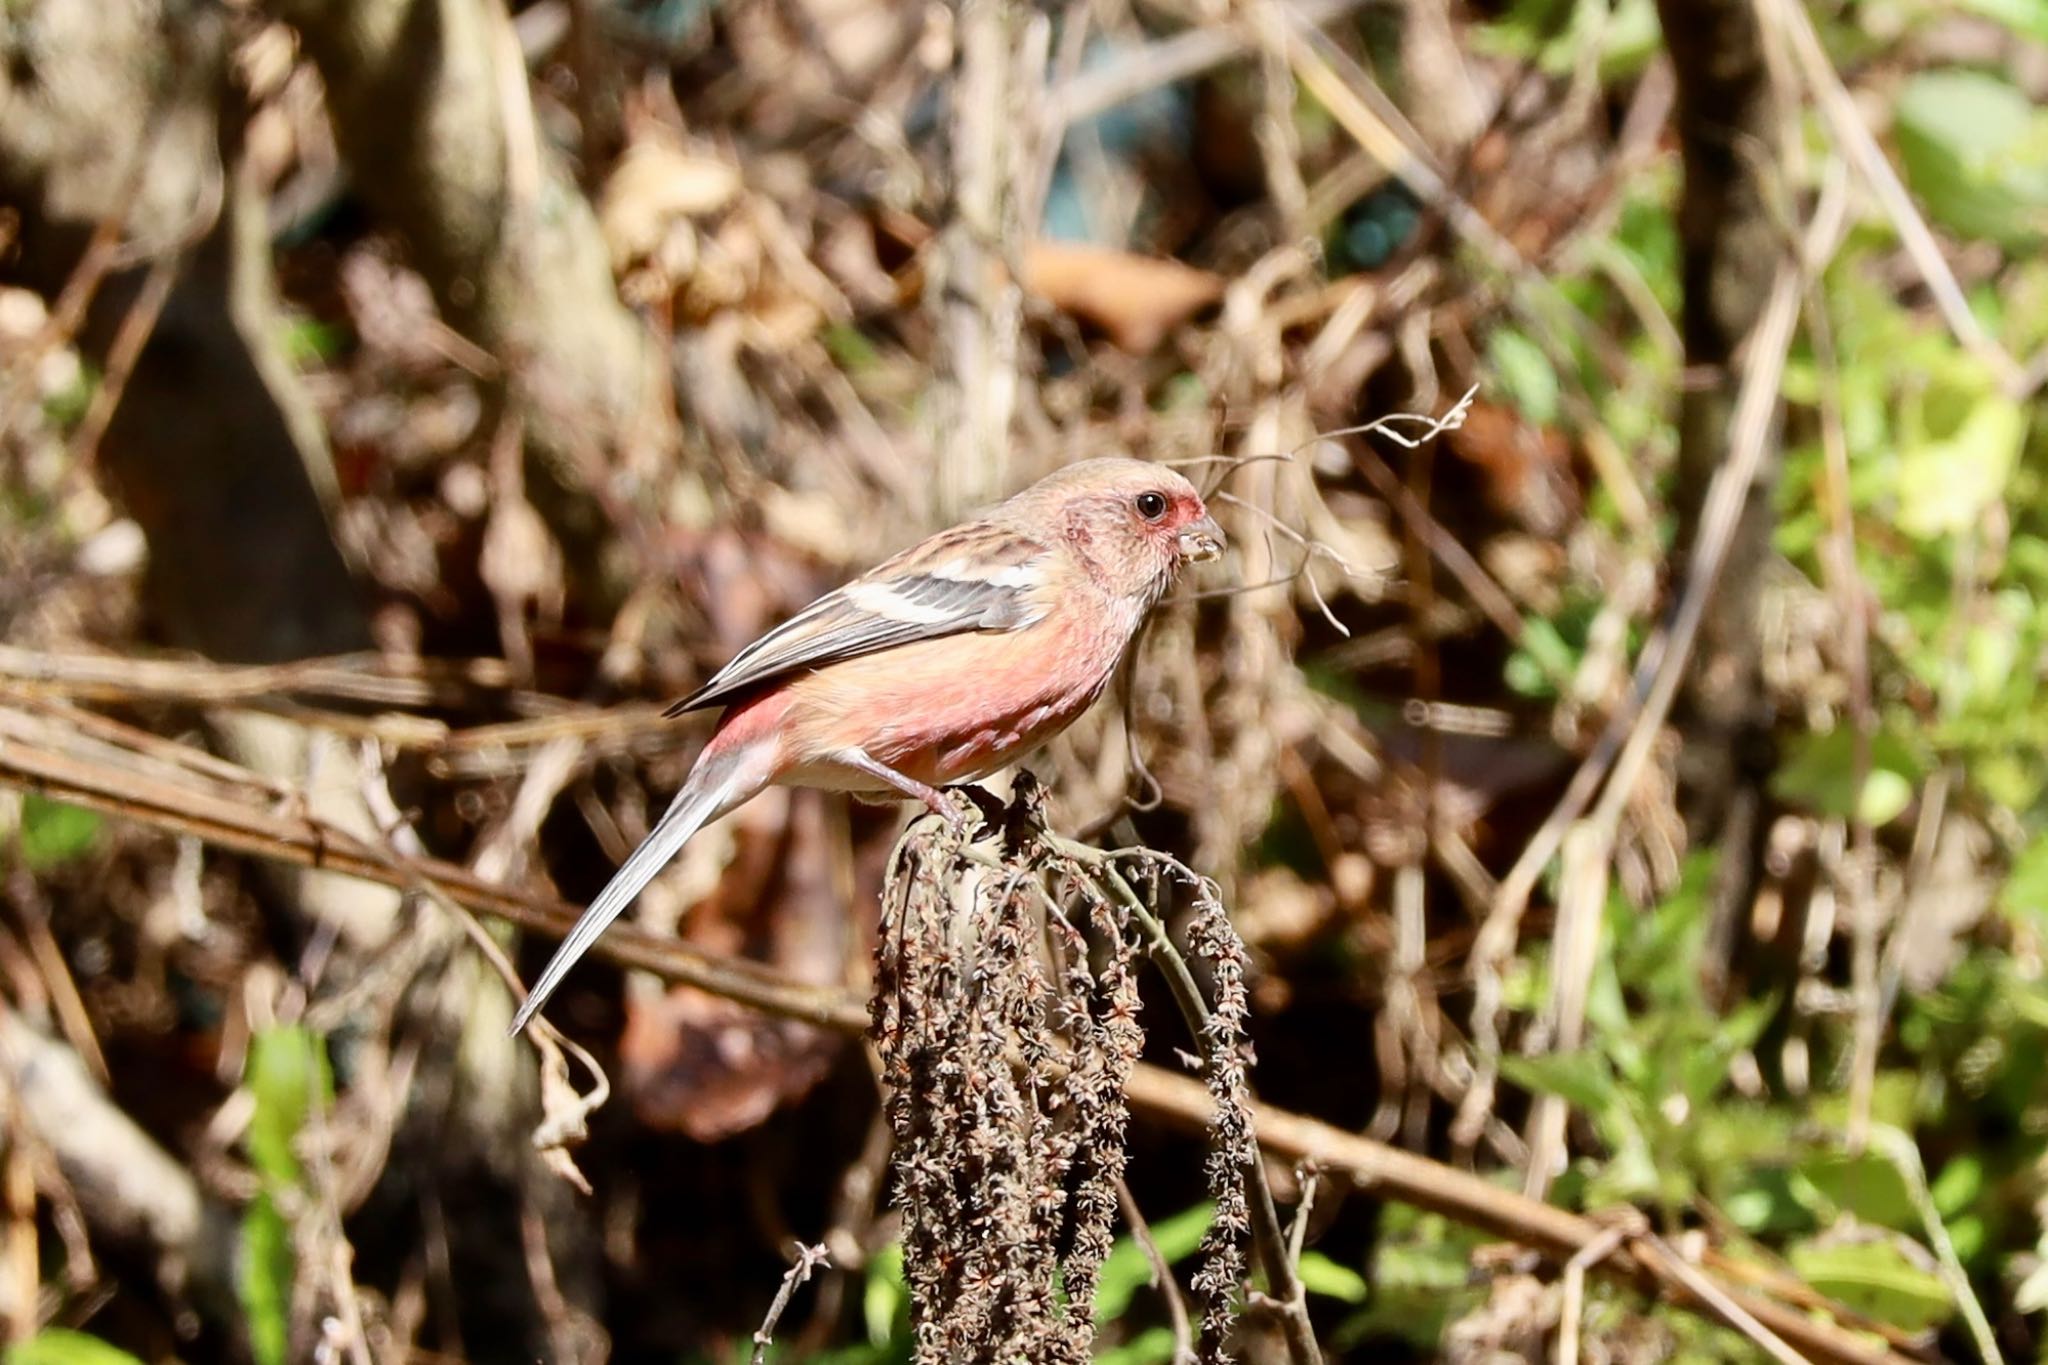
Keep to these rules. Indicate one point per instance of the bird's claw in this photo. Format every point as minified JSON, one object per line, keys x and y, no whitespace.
{"x":969,"y":812}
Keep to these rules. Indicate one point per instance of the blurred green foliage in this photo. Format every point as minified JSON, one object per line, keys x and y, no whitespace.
{"x":290,"y":1083}
{"x":53,"y":832}
{"x":56,"y":1346}
{"x":1948,"y":495}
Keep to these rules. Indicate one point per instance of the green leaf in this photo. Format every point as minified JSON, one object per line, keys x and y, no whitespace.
{"x":1876,"y":1278}
{"x":1958,"y":1185}
{"x":1703,"y":1070}
{"x":1421,"y":1277}
{"x":1631,"y":38}
{"x":264,"y":1279}
{"x":288,"y":1077}
{"x":2030,"y":1003}
{"x":1582,"y":1079}
{"x":57,"y":1346}
{"x":1149,"y":1347}
{"x":883,"y":1299}
{"x":2026,"y":889}
{"x":2028,"y":18}
{"x":1183,"y":392}
{"x":1622,"y":36}
{"x":1865,"y":1184}
{"x":1542,"y":654}
{"x":1525,"y":374}
{"x":1632,"y":1175}
{"x":1764,"y":1203}
{"x":1321,"y":1275}
{"x":1967,"y":1236}
{"x":1975,"y":154}
{"x":1957,"y":470}
{"x":1127,"y":1269}
{"x":1892,"y":1101}
{"x":1820,"y":773}
{"x":67,"y":407}
{"x":850,"y":348}
{"x":309,"y":343}
{"x":53,"y":832}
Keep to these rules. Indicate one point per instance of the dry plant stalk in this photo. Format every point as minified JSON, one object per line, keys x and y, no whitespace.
{"x":1006,"y":1014}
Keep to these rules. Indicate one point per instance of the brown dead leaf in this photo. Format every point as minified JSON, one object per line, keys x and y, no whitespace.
{"x":1527,"y":468}
{"x":703,"y":1066}
{"x":707,"y":1067}
{"x":1278,"y":909}
{"x":1136,"y":300}
{"x":657,"y":188}
{"x":519,"y":560}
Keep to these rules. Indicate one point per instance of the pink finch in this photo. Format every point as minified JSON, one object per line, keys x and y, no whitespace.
{"x":942,"y":665}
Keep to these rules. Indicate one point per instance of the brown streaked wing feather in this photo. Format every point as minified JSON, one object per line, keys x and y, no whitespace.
{"x":976,"y":577}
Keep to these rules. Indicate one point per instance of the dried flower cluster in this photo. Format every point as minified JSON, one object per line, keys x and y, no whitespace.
{"x":1006,"y":1014}
{"x":1233,"y":1147}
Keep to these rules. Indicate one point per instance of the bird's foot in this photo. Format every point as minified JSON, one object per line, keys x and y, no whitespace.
{"x":944,"y":803}
{"x":977,"y":812}
{"x":964,"y":811}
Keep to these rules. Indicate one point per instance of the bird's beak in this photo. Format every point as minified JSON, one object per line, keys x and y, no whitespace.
{"x":1202,"y":540}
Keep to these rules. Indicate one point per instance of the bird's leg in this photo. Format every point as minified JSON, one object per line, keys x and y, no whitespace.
{"x":933,"y":798}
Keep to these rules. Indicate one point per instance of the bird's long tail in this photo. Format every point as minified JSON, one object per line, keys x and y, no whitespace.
{"x":713,"y":788}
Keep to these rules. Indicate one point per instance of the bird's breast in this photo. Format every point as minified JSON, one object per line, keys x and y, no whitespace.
{"x":959,"y":708}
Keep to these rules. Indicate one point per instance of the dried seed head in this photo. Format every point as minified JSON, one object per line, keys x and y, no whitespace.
{"x":1006,"y":1013}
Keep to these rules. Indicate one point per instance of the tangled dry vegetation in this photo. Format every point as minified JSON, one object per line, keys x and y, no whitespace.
{"x":1597,"y":815}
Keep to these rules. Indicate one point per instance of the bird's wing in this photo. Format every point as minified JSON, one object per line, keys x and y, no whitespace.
{"x":975,"y":577}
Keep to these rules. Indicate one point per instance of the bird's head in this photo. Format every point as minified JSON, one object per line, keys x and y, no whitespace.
{"x":1136,"y":524}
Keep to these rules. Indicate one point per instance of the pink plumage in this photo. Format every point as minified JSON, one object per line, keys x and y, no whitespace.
{"x":942,"y":665}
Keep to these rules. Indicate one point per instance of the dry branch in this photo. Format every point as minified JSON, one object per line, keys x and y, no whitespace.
{"x":44,"y":749}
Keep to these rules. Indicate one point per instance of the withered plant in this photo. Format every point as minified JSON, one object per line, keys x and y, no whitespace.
{"x":1006,"y":1012}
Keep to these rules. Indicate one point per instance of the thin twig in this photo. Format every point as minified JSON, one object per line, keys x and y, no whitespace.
{"x":1478,"y":584}
{"x":1899,"y":1149}
{"x":1358,"y":105}
{"x":1162,"y":1276}
{"x":1756,"y":401}
{"x":1410,"y":431}
{"x":69,"y":1006}
{"x":370,"y":678}
{"x":1574,"y":952}
{"x":102,"y":254}
{"x":978,"y":308}
{"x":808,"y":1259}
{"x":1569,"y":1312}
{"x":256,"y":825}
{"x":564,"y":1109}
{"x":137,"y":326}
{"x":1670,"y":1265}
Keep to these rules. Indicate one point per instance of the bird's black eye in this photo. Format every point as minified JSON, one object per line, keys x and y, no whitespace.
{"x":1151,"y":506}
